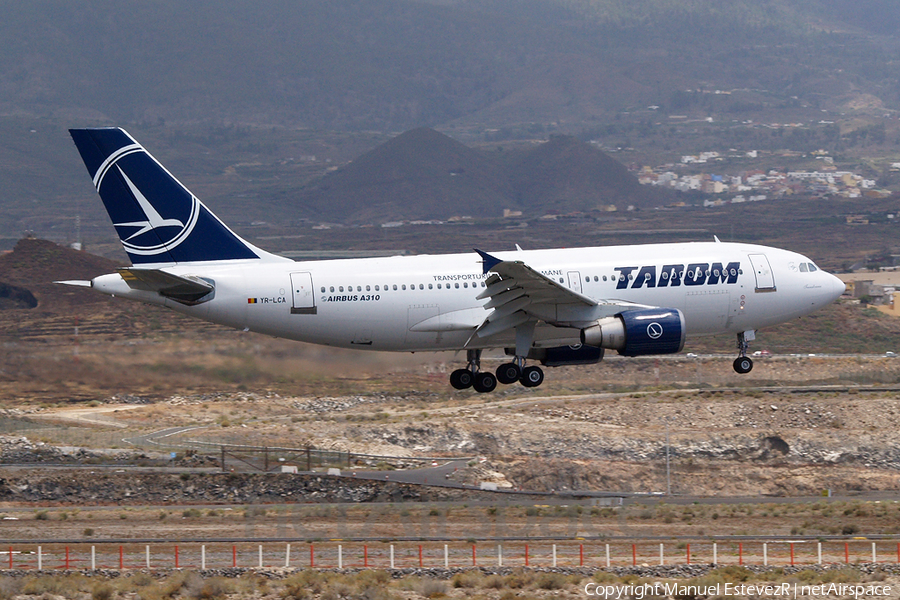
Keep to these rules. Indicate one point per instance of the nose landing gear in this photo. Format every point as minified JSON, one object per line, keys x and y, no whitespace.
{"x":744,"y":364}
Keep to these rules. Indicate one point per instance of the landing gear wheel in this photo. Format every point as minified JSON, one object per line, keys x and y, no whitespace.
{"x":508,"y":373}
{"x":532,"y":377}
{"x":461,"y":379}
{"x":743,"y":364}
{"x":484,"y":382}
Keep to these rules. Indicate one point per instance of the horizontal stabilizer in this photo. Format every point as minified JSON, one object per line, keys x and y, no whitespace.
{"x":186,"y":289}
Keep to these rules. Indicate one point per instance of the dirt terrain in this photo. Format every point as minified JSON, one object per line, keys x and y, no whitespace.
{"x":797,"y":425}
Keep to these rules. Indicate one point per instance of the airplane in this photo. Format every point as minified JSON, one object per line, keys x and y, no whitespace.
{"x":553,"y":306}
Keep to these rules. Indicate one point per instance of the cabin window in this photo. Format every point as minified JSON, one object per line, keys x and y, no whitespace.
{"x":421,"y":287}
{"x":376,"y":288}
{"x":359,"y":288}
{"x":733,"y":272}
{"x":665,"y":275}
{"x":395,"y":287}
{"x":456,"y":285}
{"x":368,"y":288}
{"x":466,"y":285}
{"x":323,"y":289}
{"x":403,"y":287}
{"x":341,"y":288}
{"x":596,"y":278}
{"x":430,"y":286}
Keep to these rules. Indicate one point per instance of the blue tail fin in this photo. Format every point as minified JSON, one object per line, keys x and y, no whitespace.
{"x":157,"y":218}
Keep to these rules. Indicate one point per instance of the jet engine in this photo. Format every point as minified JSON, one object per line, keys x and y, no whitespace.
{"x":638,"y":332}
{"x":559,"y":356}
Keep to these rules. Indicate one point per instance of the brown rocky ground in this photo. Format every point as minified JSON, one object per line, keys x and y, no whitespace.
{"x":797,"y":425}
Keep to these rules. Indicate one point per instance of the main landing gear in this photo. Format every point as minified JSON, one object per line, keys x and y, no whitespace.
{"x":743,"y":364}
{"x":485,"y":381}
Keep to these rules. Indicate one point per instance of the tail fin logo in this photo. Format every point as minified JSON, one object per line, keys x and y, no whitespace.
{"x":158,"y":220}
{"x":143,"y":230}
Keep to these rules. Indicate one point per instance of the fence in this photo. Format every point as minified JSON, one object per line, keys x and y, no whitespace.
{"x":384,"y":555}
{"x":231,"y":451}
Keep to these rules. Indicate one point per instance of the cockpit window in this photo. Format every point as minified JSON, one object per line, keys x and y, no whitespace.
{"x":804,"y":268}
{"x":812,"y":268}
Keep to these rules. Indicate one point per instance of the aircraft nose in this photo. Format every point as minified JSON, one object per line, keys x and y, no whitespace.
{"x":837,"y":287}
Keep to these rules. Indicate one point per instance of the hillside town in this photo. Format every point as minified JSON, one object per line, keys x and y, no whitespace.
{"x":754,"y":185}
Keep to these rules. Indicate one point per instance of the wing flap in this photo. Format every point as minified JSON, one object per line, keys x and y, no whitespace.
{"x":187,"y":289}
{"x":517,"y":293}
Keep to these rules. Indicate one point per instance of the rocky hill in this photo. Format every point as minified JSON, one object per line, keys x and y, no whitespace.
{"x":33,"y":266}
{"x":420,"y":174}
{"x":33,"y":307}
{"x":423,"y":174}
{"x":569,"y":175}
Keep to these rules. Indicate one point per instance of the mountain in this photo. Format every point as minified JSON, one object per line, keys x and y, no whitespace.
{"x":569,"y":175}
{"x":398,"y":64}
{"x":420,"y":174}
{"x":423,"y":174}
{"x":230,"y":93}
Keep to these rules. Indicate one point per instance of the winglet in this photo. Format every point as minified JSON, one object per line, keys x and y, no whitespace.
{"x":488,"y":261}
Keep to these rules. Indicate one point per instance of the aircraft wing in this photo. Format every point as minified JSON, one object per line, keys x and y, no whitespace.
{"x":518,"y":294}
{"x":187,"y":289}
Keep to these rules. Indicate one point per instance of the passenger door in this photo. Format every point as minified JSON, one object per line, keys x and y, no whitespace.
{"x":304,"y":298}
{"x":765,"y":279}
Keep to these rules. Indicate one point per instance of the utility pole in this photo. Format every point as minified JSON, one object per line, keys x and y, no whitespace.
{"x":668,"y":476}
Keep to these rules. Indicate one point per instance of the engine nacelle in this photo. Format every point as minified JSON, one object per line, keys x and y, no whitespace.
{"x":572,"y":355}
{"x":559,"y":356}
{"x":638,"y":332}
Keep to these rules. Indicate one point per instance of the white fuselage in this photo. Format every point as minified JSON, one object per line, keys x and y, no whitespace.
{"x":421,"y":303}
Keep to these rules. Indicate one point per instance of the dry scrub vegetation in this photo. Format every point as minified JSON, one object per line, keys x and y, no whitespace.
{"x":382,"y":585}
